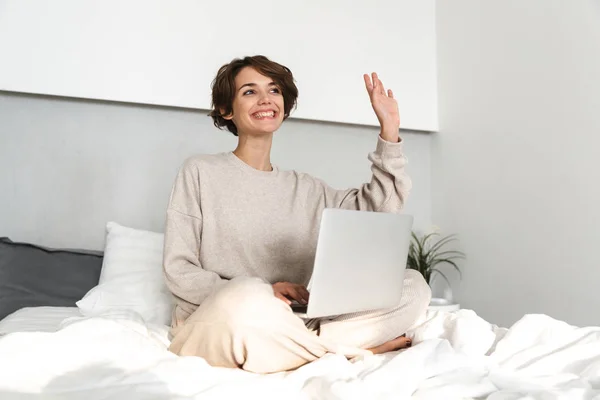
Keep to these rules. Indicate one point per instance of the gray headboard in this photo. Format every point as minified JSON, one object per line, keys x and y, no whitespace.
{"x":68,"y":166}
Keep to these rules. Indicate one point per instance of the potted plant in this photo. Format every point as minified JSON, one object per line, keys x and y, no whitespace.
{"x":428,"y":252}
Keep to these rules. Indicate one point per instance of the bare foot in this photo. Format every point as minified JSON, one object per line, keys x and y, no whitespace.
{"x":400,"y":342}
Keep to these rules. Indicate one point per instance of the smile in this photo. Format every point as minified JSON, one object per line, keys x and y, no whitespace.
{"x":264,"y":115}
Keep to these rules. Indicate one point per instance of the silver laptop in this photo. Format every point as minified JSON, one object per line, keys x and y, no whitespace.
{"x":360,"y":263}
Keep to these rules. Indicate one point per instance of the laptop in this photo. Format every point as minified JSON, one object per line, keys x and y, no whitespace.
{"x":359,"y":263}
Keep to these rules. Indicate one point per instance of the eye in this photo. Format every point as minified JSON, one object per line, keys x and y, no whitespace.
{"x":248,"y":91}
{"x":276,"y":90}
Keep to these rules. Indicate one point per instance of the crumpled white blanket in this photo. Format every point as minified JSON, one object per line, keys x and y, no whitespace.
{"x":454,"y":356}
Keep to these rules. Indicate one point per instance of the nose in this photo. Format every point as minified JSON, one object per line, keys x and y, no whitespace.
{"x":264,"y":99}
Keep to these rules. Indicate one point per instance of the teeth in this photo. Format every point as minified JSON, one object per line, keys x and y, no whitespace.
{"x":264,"y":114}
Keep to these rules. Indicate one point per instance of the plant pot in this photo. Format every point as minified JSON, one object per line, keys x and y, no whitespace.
{"x":439,"y":304}
{"x":438,"y":301}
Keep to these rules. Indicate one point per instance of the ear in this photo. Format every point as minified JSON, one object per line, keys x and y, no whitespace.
{"x":228,"y":117}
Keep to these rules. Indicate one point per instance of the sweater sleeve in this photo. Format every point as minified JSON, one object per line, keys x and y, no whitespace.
{"x":184,"y":275}
{"x":389,"y":186}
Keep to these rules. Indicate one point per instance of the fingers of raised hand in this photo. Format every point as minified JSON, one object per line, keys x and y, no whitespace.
{"x":377,"y":84}
{"x":368,"y":83}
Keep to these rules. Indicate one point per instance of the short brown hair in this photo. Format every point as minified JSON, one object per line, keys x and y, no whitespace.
{"x":223,"y":87}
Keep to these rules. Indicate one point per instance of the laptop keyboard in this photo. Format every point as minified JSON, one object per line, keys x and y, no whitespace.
{"x":299,"y":308}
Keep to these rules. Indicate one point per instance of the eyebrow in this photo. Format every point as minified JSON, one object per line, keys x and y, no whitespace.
{"x":254,"y":84}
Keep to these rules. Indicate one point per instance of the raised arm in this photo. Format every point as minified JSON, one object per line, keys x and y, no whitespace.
{"x":389,"y":185}
{"x":185,"y":277}
{"x":385,"y":192}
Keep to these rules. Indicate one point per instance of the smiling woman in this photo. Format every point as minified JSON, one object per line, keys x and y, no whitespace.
{"x":258,"y":106}
{"x":249,"y":86}
{"x":240,"y":235}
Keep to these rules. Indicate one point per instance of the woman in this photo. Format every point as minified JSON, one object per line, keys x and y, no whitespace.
{"x":241,"y":235}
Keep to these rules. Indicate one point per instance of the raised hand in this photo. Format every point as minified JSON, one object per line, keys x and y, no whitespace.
{"x":384,"y":105}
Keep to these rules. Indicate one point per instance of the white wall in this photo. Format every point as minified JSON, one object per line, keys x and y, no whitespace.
{"x":68,"y":166}
{"x":516,"y":165}
{"x":165,"y":52}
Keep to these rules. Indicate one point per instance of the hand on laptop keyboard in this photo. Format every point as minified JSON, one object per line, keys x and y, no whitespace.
{"x":289,"y":292}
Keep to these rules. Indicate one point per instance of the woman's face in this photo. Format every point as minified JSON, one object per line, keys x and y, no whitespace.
{"x":257,"y":104}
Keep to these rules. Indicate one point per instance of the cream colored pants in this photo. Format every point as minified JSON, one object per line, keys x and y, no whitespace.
{"x":243,"y":325}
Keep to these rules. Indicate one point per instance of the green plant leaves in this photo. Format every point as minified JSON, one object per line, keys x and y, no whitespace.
{"x":425,"y":258}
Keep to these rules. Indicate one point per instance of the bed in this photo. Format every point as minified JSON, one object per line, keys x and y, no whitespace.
{"x":112,"y":343}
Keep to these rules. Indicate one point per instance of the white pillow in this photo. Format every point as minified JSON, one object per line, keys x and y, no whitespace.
{"x":131,"y":277}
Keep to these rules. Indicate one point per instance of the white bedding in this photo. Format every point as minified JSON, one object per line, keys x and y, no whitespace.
{"x":37,"y":319}
{"x":455,"y":356}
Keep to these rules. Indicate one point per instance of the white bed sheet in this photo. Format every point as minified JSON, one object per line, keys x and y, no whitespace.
{"x":455,"y":356}
{"x":37,"y":319}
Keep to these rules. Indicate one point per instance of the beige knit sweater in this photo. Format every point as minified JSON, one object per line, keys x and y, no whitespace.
{"x":227,"y":219}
